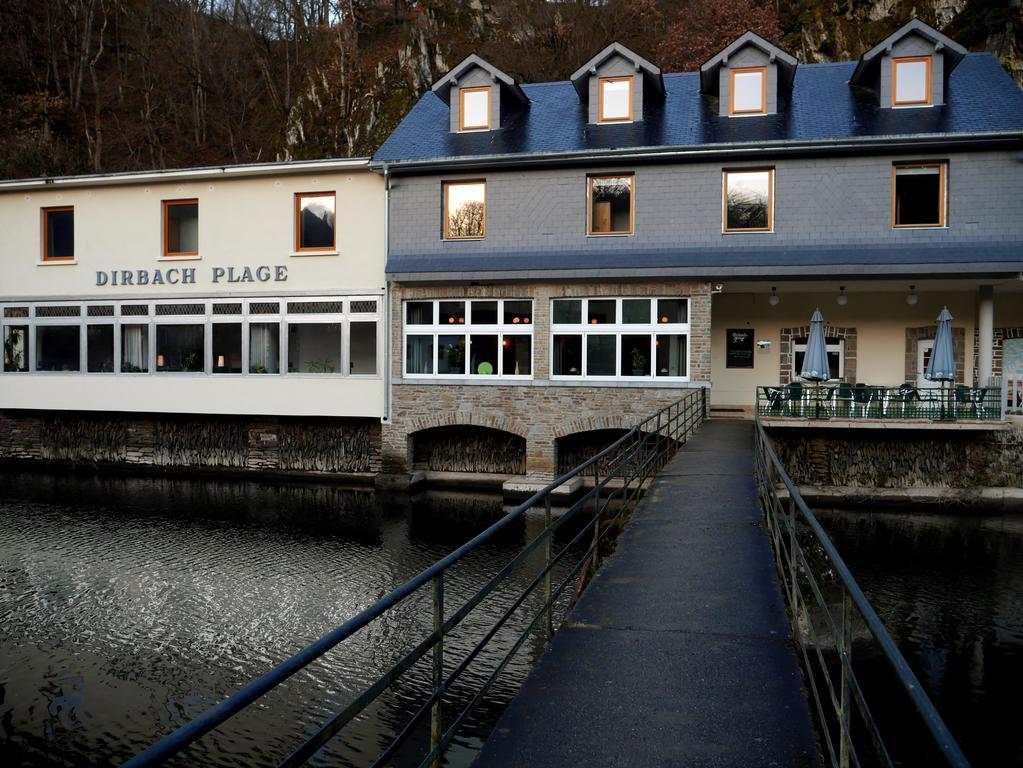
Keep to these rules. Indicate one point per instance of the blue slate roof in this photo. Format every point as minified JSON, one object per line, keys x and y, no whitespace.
{"x":806,"y":261}
{"x":981,"y":97}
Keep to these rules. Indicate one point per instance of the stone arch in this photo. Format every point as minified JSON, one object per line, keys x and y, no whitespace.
{"x":468,"y":448}
{"x":594,"y":423}
{"x":786,"y":347}
{"x":473,"y":418}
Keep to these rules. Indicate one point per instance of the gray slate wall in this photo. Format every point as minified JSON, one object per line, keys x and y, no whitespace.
{"x":817,"y":201}
{"x":750,"y":56}
{"x":914,"y":45}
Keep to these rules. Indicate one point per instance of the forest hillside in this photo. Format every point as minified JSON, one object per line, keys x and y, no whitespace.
{"x":111,"y":85}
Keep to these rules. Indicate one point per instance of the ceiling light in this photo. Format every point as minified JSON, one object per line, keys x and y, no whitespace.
{"x":773,"y":298}
{"x":843,"y":297}
{"x":912,"y":297}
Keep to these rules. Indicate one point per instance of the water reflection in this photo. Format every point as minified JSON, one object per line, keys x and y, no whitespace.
{"x":948,"y":587}
{"x":130,"y":605}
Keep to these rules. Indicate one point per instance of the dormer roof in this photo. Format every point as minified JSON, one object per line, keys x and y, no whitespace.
{"x":866,"y":69}
{"x":785,"y":62}
{"x":443,"y":86}
{"x":651,"y":73}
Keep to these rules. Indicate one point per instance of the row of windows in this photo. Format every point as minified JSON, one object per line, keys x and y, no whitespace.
{"x":600,"y":338}
{"x":911,"y":87}
{"x":323,"y":336}
{"x":315,"y":228}
{"x":918,"y":200}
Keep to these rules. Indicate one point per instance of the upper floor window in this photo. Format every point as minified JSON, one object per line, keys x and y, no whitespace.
{"x":180,"y":228}
{"x":478,"y":338}
{"x":314,"y":221}
{"x":918,"y":195}
{"x":610,"y":205}
{"x":615,"y":99}
{"x":59,"y":234}
{"x":749,"y":200}
{"x":465,"y":210}
{"x":609,"y":338}
{"x":911,"y":81}
{"x":474,"y":109}
{"x":748,"y":91}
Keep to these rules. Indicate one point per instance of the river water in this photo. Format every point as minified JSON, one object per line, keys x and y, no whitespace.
{"x":128,"y":606}
{"x":949,"y":587}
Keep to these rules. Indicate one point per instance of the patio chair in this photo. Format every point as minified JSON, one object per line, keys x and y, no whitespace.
{"x":907,"y":395}
{"x":844,"y":398}
{"x":971,"y":397}
{"x":774,"y":397}
{"x":862,"y":396}
{"x":794,"y":397}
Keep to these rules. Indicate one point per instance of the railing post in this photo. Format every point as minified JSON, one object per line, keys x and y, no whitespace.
{"x":657,"y":439}
{"x":845,"y":658}
{"x":596,"y":517}
{"x":547,"y":575}
{"x":793,"y":591}
{"x":436,"y":727}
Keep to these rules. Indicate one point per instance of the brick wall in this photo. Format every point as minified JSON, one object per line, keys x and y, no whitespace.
{"x":926,"y":332}
{"x":539,"y":410}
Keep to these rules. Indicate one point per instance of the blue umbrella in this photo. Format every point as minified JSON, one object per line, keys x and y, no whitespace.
{"x":815,"y":362}
{"x":942,"y":365}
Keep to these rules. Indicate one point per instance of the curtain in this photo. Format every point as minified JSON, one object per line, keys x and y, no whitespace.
{"x":135,"y":348}
{"x":264,"y":341}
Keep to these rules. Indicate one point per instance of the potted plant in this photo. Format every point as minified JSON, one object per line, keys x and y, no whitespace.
{"x":638,"y":362}
{"x":456,"y":356}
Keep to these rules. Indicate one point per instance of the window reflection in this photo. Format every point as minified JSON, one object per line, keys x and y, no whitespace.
{"x":465,"y":209}
{"x":315,"y":221}
{"x":748,"y":200}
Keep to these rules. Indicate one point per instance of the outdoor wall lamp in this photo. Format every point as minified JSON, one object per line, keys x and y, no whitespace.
{"x":911,"y":297}
{"x":843,"y":297}
{"x":773,"y":298}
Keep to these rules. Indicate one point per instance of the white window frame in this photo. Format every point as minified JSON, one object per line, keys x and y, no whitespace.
{"x":838,"y":346}
{"x":467,"y":330}
{"x":206,"y":319}
{"x":618,"y":329}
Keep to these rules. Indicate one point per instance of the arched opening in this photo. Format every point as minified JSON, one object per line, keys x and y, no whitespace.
{"x":574,"y":449}
{"x":466,"y":448}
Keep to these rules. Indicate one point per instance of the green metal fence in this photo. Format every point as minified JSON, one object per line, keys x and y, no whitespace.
{"x":863,"y":401}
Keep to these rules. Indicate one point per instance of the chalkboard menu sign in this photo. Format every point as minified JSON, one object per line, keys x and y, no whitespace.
{"x":739,"y":348}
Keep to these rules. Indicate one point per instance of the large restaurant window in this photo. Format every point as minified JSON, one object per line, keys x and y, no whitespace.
{"x":180,"y":228}
{"x":315,"y":228}
{"x":474,"y":109}
{"x":749,"y":200}
{"x":918,"y":195}
{"x":59,"y":234}
{"x":614,"y":99}
{"x":610,"y":204}
{"x":332,"y":335}
{"x":478,"y":338}
{"x":633,"y":338}
{"x":911,"y":81}
{"x":748,"y":91}
{"x":465,"y":210}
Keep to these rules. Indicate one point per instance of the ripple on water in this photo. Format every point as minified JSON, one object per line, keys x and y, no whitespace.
{"x":129,"y":606}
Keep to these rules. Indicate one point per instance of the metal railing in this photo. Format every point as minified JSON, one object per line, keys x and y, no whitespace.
{"x":829,"y":612}
{"x":863,"y":401}
{"x":619,"y":475}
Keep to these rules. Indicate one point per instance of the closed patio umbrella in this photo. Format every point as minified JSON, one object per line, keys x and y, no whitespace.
{"x":942,"y":365}
{"x":815,"y":362}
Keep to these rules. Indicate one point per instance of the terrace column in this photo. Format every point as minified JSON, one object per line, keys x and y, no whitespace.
{"x":985,"y":334}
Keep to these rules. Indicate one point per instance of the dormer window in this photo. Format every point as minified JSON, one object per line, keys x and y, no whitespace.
{"x":749,"y":91}
{"x":615,"y":99}
{"x":911,"y":81}
{"x":475,"y":109}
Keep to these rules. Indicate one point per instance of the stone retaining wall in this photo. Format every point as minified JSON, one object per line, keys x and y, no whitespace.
{"x":321,"y":445}
{"x":901,"y":459}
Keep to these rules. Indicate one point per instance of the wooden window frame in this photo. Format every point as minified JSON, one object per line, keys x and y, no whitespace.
{"x":299,"y":196}
{"x":942,"y":166}
{"x":445,"y":234}
{"x":600,"y":99}
{"x":724,"y":201}
{"x":589,"y":204}
{"x":46,"y":236}
{"x":763,"y":91}
{"x":928,"y":100}
{"x":167,"y":205}
{"x":462,"y":126}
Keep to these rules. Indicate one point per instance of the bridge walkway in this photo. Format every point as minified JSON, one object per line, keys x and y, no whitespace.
{"x":678,"y":652}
